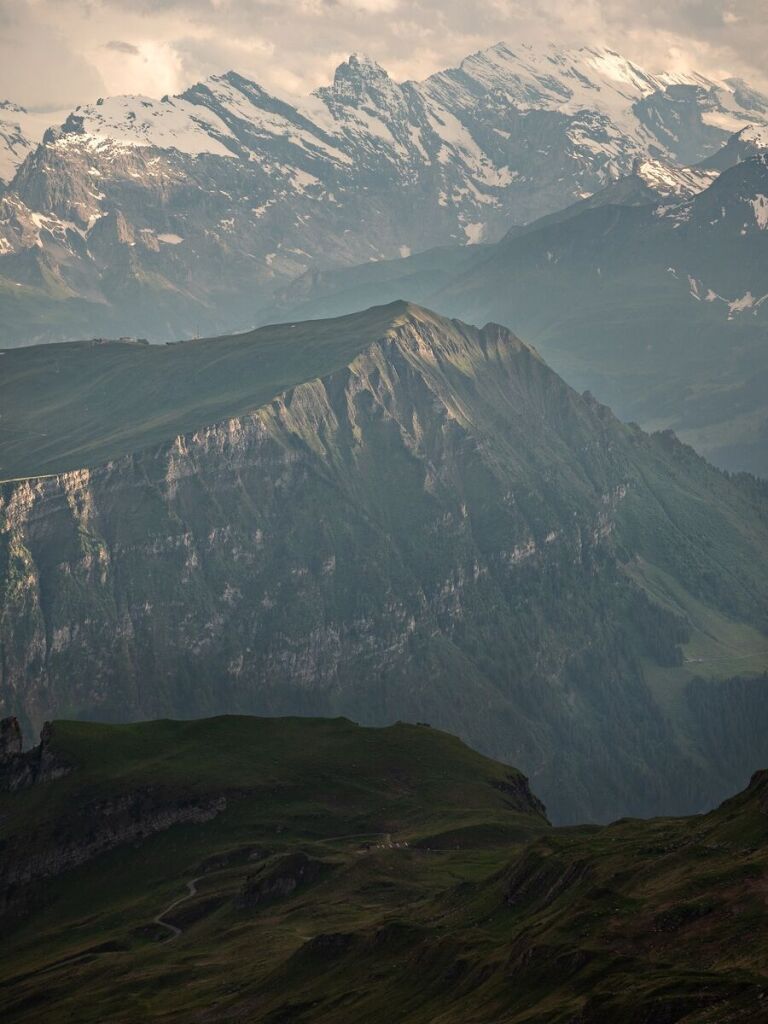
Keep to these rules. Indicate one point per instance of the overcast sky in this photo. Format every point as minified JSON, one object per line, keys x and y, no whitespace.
{"x":57,"y":53}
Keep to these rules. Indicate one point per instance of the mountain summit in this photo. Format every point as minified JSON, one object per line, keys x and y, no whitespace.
{"x":652,"y":293}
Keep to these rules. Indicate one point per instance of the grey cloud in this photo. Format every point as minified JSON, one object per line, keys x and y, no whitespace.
{"x":120,"y":47}
{"x":40,"y":67}
{"x":294,"y":44}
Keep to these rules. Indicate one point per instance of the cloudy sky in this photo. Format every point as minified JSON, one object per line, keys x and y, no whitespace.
{"x":57,"y":53}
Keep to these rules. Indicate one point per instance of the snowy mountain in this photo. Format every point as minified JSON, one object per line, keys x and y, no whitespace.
{"x":161,"y":217}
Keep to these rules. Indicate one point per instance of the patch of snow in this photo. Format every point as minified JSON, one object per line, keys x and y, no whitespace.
{"x":729,"y":122}
{"x":669,"y":181}
{"x":474,"y":232}
{"x":303,"y":179}
{"x":747,"y":301}
{"x":142,"y":121}
{"x":760,"y":206}
{"x":756,"y":134}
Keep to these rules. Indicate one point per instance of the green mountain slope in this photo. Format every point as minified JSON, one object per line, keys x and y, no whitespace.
{"x":438,"y":530}
{"x":77,"y":404}
{"x":335,"y":873}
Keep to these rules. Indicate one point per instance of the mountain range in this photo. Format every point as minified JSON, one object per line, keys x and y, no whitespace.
{"x":387,"y":515}
{"x":165,"y":218}
{"x":379,"y":674}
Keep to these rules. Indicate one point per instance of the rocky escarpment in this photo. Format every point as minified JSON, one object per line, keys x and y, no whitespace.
{"x":518,"y":794}
{"x":88,"y":827}
{"x":440,"y":530}
{"x":91,"y":829}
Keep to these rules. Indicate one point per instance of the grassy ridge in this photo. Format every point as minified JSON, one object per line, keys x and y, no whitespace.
{"x":308,"y":777}
{"x":78,"y":404}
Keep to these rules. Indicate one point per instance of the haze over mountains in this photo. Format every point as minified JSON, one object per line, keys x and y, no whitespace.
{"x":166,"y":496}
{"x":166,"y":217}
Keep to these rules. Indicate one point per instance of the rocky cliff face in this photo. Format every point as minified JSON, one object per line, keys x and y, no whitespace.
{"x":166,"y":217}
{"x":91,"y":830}
{"x":429,"y":533}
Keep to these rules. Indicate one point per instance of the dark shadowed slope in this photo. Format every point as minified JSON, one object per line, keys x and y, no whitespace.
{"x":321,"y":873}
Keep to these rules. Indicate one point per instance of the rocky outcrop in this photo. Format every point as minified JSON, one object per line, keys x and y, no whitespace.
{"x":11,"y":741}
{"x":18,"y":768}
{"x":518,"y":793}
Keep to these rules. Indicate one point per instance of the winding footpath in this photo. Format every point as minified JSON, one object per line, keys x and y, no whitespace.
{"x":175,"y":932}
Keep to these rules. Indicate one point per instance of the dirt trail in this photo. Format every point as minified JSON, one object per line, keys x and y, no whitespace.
{"x":175,"y":932}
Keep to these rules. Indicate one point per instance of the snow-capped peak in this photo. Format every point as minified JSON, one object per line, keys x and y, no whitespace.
{"x":554,"y":77}
{"x":364,"y":100}
{"x":170,"y":123}
{"x":358,"y":59}
{"x":360,"y":78}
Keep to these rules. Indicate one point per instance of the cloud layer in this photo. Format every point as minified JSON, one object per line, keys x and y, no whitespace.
{"x":57,"y":53}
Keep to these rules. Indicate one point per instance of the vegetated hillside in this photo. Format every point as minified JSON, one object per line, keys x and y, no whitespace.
{"x":658,"y":308}
{"x":438,"y":529}
{"x":315,"y":871}
{"x":166,"y":218}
